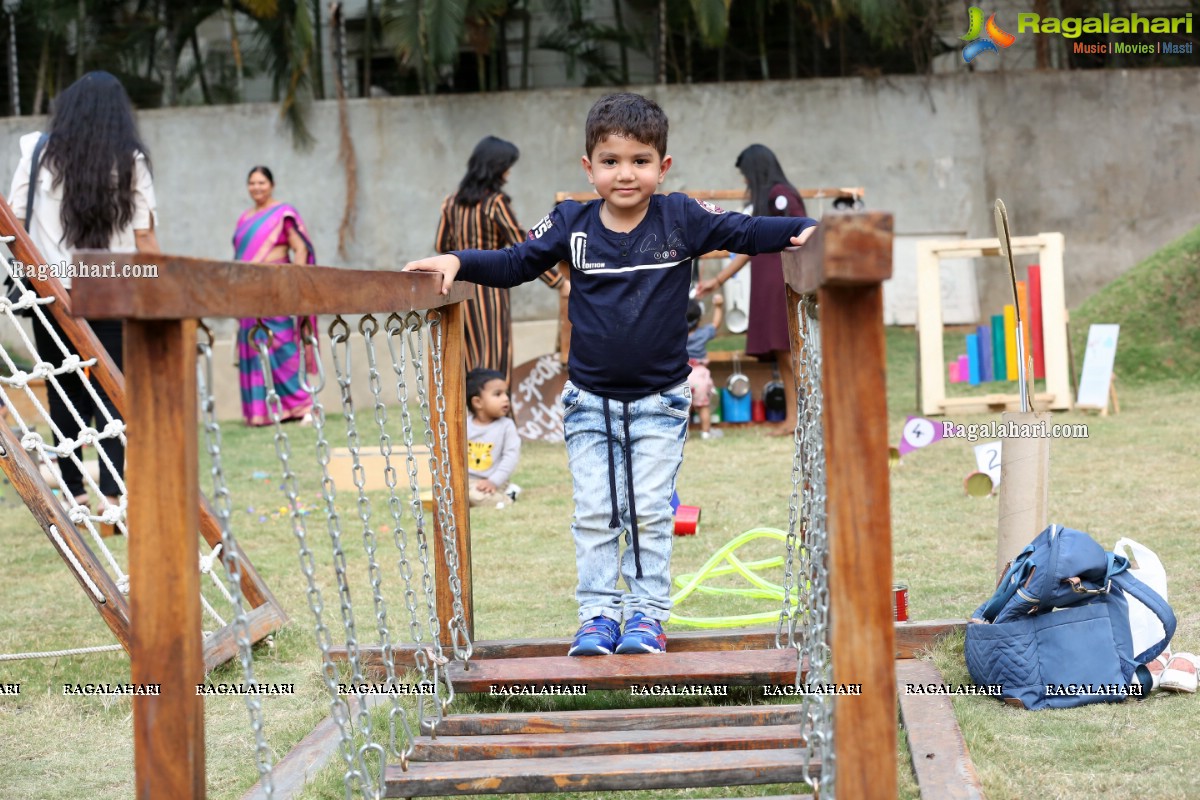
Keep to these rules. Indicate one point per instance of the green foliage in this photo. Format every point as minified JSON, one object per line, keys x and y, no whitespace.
{"x":712,"y":20}
{"x":285,"y":35}
{"x":1157,"y":304}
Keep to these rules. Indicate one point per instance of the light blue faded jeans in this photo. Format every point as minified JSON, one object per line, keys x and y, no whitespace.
{"x":647,"y":436}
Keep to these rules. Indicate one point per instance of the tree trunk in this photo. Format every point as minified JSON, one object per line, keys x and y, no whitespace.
{"x":619,"y":22}
{"x":761,"y":26}
{"x":1041,"y":44}
{"x":15,"y":90}
{"x":318,"y":52}
{"x":200,"y":68}
{"x":80,"y":33}
{"x":525,"y":32}
{"x":367,"y":48}
{"x":39,"y":91}
{"x":236,"y":46}
{"x":662,"y":41}
{"x":793,"y":65}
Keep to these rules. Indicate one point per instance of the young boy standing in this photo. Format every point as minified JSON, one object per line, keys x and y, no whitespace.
{"x":626,"y":405}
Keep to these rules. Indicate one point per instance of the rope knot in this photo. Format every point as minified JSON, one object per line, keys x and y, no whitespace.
{"x":206,"y":562}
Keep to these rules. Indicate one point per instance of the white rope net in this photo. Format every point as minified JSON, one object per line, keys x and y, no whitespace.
{"x":28,"y":377}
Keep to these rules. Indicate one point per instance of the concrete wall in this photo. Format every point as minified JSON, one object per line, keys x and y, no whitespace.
{"x":1107,"y":157}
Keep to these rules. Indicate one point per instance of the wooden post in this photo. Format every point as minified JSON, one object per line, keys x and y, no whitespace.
{"x":454,"y":388}
{"x":845,"y":263}
{"x":164,"y":597}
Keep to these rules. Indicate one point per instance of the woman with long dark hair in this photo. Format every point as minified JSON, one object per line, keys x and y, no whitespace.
{"x":94,"y":191}
{"x":272,"y":232}
{"x":770,"y":194}
{"x":479,"y":216}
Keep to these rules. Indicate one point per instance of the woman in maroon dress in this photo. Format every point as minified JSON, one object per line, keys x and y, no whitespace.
{"x":771,"y":195}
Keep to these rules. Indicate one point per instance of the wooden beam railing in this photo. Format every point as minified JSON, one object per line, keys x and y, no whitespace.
{"x":160,"y":327}
{"x":844,"y":265}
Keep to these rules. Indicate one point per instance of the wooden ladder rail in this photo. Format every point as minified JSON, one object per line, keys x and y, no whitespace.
{"x":160,"y":332}
{"x":844,"y":265}
{"x":113,"y":610}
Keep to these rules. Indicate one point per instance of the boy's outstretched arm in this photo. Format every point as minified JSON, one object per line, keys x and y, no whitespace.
{"x":446,"y":265}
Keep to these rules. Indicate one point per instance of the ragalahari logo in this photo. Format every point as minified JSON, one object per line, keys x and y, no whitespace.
{"x":983,"y":37}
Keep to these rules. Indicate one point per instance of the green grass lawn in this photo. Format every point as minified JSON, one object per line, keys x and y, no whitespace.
{"x":1134,"y":476}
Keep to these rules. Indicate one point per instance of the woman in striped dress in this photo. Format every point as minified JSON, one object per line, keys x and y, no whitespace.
{"x":479,"y":216}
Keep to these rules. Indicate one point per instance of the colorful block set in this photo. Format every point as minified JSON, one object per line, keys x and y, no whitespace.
{"x":991,"y":352}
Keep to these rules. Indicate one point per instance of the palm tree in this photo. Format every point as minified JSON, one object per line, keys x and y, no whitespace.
{"x":286,"y":32}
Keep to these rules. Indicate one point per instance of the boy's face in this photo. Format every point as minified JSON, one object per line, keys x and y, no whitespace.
{"x":625,"y":173}
{"x":492,"y":402}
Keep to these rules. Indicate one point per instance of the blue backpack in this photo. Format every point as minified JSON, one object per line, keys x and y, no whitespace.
{"x":1056,"y":632}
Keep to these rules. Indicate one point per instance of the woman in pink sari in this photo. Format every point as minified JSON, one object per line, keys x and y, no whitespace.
{"x":272,"y":233}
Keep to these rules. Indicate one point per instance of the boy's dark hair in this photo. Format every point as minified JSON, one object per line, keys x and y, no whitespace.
{"x":629,"y":115}
{"x":477,"y":379}
{"x":694,"y":313}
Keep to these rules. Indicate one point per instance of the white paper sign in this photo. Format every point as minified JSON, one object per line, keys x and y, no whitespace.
{"x":1096,"y":378}
{"x":987,"y":459}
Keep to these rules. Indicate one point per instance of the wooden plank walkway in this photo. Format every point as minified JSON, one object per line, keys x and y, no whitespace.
{"x":732,"y":668}
{"x":595,"y":773}
{"x":940,"y":760}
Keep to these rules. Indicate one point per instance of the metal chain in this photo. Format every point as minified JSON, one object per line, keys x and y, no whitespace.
{"x":230,"y":552}
{"x":339,"y":334}
{"x":368,"y":326}
{"x":339,"y":710}
{"x":459,"y":636}
{"x":817,"y":710}
{"x":417,"y":352}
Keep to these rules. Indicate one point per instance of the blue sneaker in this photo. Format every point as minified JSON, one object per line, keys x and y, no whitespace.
{"x":642,"y":635}
{"x":596,"y":637}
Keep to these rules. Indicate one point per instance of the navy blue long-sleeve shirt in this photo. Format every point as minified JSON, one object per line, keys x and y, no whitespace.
{"x":629,"y":291}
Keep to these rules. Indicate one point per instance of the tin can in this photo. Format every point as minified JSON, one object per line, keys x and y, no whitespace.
{"x":900,"y":601}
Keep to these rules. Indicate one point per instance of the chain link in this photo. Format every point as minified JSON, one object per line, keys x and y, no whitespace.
{"x":339,"y":710}
{"x":230,"y":553}
{"x":368,"y":326}
{"x":817,"y":710}
{"x":339,"y":336}
{"x":416,"y":345}
{"x":459,"y":635}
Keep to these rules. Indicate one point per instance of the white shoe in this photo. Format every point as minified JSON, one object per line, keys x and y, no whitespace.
{"x":1180,"y":674}
{"x":715,"y":433}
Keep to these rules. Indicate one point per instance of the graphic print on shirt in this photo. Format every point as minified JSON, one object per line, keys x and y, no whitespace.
{"x":673,"y":249}
{"x":543,"y":225}
{"x":479,"y":456}
{"x":579,"y":254}
{"x":710,"y":208}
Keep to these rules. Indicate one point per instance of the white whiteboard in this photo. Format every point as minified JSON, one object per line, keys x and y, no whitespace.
{"x":960,"y":294}
{"x":1098,"y":365}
